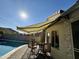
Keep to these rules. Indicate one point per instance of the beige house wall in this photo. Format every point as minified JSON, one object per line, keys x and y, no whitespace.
{"x":64,"y":31}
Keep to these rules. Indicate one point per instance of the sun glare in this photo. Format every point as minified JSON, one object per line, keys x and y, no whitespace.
{"x":23,"y":15}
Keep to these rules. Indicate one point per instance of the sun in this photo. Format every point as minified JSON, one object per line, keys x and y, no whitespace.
{"x":23,"y":15}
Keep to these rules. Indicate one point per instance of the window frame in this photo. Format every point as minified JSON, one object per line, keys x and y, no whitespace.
{"x":55,"y":39}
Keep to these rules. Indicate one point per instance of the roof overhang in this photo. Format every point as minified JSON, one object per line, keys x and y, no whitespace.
{"x":71,"y":9}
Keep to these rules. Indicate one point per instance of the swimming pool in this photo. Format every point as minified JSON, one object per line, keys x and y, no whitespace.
{"x":7,"y":46}
{"x":5,"y":49}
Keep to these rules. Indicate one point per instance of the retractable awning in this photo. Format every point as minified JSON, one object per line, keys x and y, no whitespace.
{"x":40,"y":26}
{"x":34,"y":28}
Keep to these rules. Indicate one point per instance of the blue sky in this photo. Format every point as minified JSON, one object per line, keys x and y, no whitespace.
{"x":37,"y":10}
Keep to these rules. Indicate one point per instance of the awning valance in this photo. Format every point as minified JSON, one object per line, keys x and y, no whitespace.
{"x":33,"y":28}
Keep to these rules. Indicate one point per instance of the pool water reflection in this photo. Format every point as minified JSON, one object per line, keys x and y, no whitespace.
{"x":5,"y":49}
{"x":7,"y":46}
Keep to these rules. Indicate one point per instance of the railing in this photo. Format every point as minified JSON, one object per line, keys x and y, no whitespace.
{"x":76,"y":50}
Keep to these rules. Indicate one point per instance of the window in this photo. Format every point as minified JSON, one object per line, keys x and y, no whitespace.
{"x":55,"y":39}
{"x":48,"y":37}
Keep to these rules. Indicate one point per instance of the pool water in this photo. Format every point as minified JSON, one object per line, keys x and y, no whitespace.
{"x":7,"y":46}
{"x":5,"y":49}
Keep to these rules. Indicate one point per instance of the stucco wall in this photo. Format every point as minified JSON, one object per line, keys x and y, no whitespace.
{"x":64,"y":30}
{"x":74,"y":16}
{"x":65,"y":48}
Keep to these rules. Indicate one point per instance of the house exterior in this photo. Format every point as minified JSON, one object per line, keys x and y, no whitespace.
{"x":64,"y":35}
{"x":60,"y":32}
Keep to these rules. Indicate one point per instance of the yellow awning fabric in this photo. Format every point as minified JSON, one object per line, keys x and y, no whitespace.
{"x":40,"y":26}
{"x":33,"y":28}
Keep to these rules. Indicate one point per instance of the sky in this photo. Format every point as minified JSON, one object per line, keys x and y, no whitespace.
{"x":36,"y":10}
